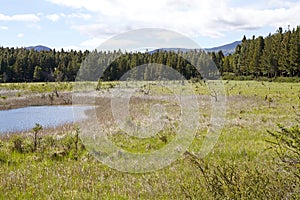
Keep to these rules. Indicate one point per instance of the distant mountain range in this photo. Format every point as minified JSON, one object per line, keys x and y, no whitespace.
{"x":38,"y":48}
{"x":226,"y":49}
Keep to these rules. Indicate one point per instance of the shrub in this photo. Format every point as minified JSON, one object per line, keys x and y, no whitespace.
{"x":228,"y":76}
{"x":287,"y":146}
{"x":3,"y":155}
{"x":287,"y":79}
{"x":36,"y":129}
{"x":17,"y":143}
{"x":227,"y":180}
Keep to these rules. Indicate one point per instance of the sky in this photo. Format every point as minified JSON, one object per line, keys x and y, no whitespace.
{"x":81,"y":25}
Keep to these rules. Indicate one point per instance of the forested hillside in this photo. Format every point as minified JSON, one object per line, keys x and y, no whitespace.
{"x":273,"y":56}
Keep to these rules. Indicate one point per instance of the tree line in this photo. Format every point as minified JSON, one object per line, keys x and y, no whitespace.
{"x":272,"y":56}
{"x":22,"y":65}
{"x":110,"y":66}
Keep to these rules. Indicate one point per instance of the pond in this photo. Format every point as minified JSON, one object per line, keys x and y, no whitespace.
{"x":22,"y":119}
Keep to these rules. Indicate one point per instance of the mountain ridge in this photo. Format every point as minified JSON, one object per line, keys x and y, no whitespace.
{"x":226,"y":49}
{"x":38,"y":48}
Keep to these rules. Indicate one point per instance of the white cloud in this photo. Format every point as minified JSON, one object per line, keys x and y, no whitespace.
{"x":280,"y":4}
{"x":34,"y":26}
{"x":20,"y":35}
{"x":78,"y":15}
{"x":3,"y":27}
{"x":20,"y":18}
{"x":53,"y":17}
{"x":92,"y":44}
{"x":100,"y":29}
{"x":56,"y":17}
{"x":193,"y":18}
{"x":89,"y":44}
{"x":91,"y":5}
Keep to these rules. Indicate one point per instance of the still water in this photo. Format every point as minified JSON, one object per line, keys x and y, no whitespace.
{"x":21,"y":119}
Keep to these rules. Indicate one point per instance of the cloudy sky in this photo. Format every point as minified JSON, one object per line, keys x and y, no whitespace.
{"x":78,"y":24}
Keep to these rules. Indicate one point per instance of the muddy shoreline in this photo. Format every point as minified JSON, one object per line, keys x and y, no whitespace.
{"x":43,"y":99}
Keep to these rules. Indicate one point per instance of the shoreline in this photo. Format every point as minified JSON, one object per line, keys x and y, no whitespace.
{"x":38,"y":99}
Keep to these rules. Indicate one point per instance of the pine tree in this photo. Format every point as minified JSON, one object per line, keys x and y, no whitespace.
{"x":38,"y":74}
{"x":267,"y":60}
{"x":256,"y":59}
{"x":243,"y":58}
{"x":283,"y":59}
{"x":276,"y":50}
{"x":294,"y":53}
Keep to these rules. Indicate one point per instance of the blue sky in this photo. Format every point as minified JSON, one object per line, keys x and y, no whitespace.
{"x":78,"y":24}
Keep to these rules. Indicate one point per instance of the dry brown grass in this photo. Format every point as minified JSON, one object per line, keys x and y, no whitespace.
{"x":63,"y":98}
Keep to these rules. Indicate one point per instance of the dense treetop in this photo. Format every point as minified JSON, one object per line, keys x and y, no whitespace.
{"x":272,"y":56}
{"x":22,"y":65}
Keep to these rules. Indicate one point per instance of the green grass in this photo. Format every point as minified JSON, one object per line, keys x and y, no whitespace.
{"x":242,"y":165}
{"x":38,"y":87}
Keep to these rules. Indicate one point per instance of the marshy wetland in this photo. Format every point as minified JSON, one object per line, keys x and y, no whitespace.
{"x":54,"y":163}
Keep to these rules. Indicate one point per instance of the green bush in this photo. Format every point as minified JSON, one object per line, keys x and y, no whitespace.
{"x":287,"y":79}
{"x":232,"y":76}
{"x":228,"y":180}
{"x":20,"y":144}
{"x":72,"y":145}
{"x":3,"y":154}
{"x":263,"y":78}
{"x":286,"y":142}
{"x":36,"y":129}
{"x":17,"y":143}
{"x":228,"y":76}
{"x":3,"y":157}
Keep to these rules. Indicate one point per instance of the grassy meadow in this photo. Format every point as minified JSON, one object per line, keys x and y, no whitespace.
{"x":244,"y":164}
